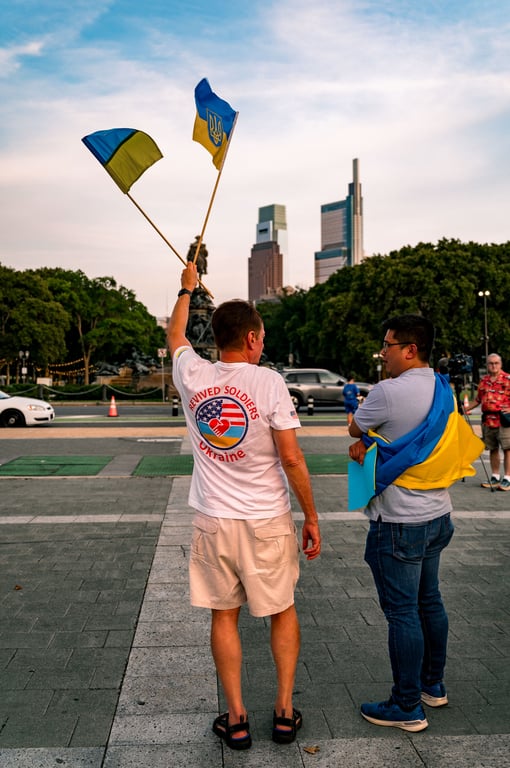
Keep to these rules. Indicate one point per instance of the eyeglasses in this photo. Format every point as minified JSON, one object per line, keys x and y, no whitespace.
{"x":387,"y":344}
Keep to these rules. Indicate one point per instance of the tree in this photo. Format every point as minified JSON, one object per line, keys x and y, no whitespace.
{"x":283,"y":343}
{"x":106,"y":321}
{"x":338,"y":323}
{"x":30,"y":319}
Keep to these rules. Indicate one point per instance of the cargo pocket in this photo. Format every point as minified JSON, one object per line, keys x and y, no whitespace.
{"x":276,"y":540}
{"x":204,"y":530}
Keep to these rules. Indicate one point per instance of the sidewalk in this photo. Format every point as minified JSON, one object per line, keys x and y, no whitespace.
{"x":103,"y":607}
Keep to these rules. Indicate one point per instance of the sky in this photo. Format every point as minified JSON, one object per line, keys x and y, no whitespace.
{"x":418,"y":92}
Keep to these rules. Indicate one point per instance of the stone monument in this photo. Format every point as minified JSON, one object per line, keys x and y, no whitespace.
{"x":199,"y":331}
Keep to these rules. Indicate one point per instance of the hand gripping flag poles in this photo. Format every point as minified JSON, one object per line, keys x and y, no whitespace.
{"x":214,"y":126}
{"x":126,"y":153}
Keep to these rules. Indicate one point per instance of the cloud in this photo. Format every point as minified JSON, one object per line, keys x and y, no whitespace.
{"x":10,"y":58}
{"x":420,"y":94}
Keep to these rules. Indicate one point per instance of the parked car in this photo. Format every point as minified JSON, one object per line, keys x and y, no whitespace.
{"x":24,"y":411}
{"x":324,"y":386}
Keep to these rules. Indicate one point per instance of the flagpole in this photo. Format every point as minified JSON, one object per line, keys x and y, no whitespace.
{"x":166,"y":241}
{"x":220,"y":169}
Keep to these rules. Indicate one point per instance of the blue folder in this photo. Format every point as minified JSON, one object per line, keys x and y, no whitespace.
{"x":361,"y":480}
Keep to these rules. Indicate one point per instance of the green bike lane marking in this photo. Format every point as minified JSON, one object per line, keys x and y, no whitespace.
{"x":148,"y":466}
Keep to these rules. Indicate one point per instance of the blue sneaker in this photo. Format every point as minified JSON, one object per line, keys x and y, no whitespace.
{"x":389,"y":713}
{"x":434,"y":695}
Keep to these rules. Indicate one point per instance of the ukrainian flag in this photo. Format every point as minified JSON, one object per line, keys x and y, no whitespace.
{"x":124,"y":153}
{"x":213,"y":123}
{"x":434,"y":455}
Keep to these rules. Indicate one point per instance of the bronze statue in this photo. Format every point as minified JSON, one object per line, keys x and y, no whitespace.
{"x":201,"y":261}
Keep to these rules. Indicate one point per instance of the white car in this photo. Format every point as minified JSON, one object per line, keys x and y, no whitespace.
{"x":24,"y":411}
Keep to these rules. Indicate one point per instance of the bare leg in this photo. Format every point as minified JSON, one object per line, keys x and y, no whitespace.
{"x":507,"y":462}
{"x":495,"y":462}
{"x":227,"y":655}
{"x":285,"y":644}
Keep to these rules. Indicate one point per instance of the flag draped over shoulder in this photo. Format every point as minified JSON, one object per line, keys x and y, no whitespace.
{"x":435,"y":454}
{"x":213,"y":123}
{"x":124,"y":152}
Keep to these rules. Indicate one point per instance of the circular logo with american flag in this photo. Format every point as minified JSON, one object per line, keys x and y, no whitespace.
{"x":222,"y":422}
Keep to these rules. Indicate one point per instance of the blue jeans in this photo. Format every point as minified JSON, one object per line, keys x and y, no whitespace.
{"x":404,"y":560}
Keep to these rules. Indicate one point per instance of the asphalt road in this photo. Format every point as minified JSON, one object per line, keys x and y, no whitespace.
{"x":160,"y":414}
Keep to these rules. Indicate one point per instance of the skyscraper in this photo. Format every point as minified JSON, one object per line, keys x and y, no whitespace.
{"x":341,"y":232}
{"x":265,"y":265}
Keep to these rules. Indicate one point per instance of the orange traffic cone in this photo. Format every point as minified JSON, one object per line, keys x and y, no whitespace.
{"x":113,"y":408}
{"x":466,"y":403}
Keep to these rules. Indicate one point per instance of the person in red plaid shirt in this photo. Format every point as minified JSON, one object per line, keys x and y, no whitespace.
{"x":494,"y":396}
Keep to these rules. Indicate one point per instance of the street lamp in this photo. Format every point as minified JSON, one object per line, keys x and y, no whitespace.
{"x":484,"y":294}
{"x":162,"y":354}
{"x":377,"y":356}
{"x":23,"y":356}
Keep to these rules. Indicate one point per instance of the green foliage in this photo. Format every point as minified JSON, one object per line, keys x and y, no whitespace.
{"x":59,"y":314}
{"x":337,"y":324}
{"x":30,"y":318}
{"x":107,"y":322}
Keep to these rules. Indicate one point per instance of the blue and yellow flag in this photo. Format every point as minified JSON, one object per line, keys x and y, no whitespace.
{"x":434,"y":455}
{"x":124,"y":152}
{"x":214,"y":122}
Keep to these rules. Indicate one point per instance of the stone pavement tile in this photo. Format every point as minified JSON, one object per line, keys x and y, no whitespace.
{"x":203,"y":755}
{"x":464,"y":752}
{"x":122,"y":465}
{"x":91,"y":729}
{"x":92,"y":709}
{"x":359,"y":752}
{"x":412,"y":752}
{"x":39,"y":731}
{"x":46,"y":758}
{"x":166,"y":633}
{"x":148,"y":730}
{"x":82,"y":496}
{"x":62,"y":629}
{"x":172,"y":691}
{"x":265,"y":753}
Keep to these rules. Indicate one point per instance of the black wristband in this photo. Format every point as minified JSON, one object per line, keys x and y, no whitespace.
{"x":183,"y":291}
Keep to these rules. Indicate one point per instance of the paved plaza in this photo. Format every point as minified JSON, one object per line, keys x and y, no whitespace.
{"x":105,"y":665}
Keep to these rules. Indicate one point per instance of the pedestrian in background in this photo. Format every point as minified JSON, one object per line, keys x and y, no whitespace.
{"x":242,"y":425}
{"x":494,"y":396}
{"x":351,"y":394}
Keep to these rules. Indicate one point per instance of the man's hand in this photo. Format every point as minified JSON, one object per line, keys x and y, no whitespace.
{"x":357,"y":451}
{"x":189,"y":276}
{"x":311,"y":533}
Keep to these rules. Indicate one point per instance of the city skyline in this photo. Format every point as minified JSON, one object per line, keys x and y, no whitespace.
{"x":420,"y":93}
{"x":341,"y":231}
{"x":268,"y":254}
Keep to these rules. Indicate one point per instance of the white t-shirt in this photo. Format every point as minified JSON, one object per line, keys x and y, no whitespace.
{"x":393,"y":408}
{"x":230,"y":411}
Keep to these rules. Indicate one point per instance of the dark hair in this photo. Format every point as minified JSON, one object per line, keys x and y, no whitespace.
{"x":232,"y":321}
{"x":415,"y":329}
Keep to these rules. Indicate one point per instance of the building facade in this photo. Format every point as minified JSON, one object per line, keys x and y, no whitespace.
{"x":265,"y":265}
{"x":341,"y":232}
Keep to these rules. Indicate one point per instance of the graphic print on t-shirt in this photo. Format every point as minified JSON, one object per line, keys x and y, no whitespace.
{"x":222,"y":422}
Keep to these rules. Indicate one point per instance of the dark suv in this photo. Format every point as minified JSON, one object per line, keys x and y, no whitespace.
{"x":324,"y":386}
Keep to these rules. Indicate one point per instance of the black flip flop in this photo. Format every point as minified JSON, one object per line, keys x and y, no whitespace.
{"x":225,"y":731}
{"x":291,"y":726}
